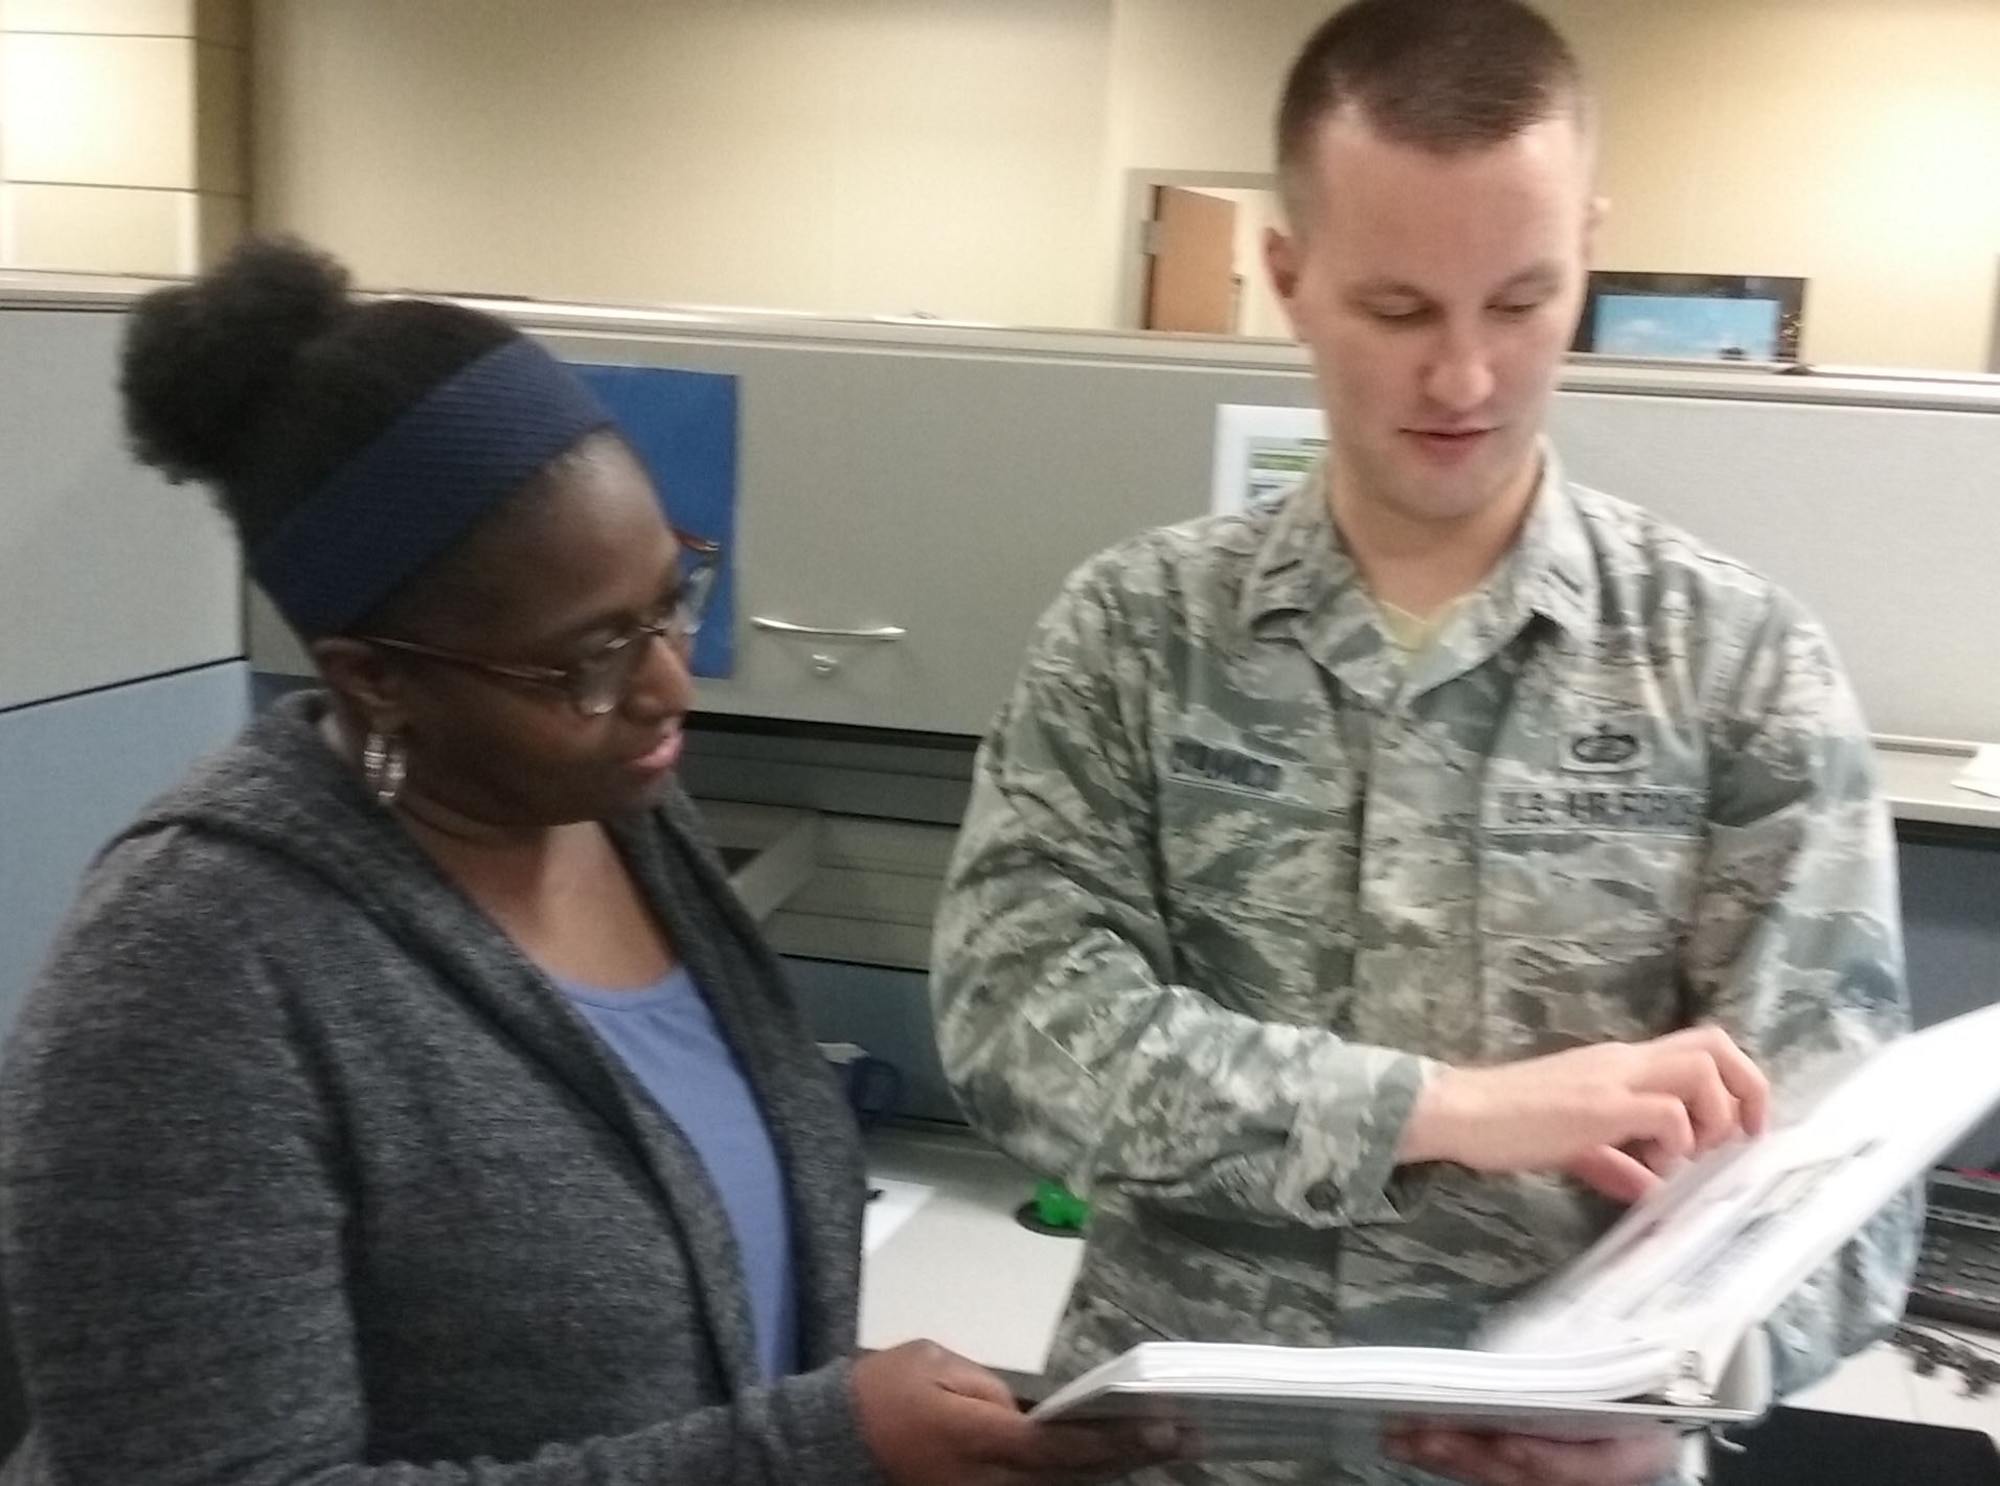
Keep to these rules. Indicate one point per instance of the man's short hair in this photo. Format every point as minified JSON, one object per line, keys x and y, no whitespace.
{"x":1447,"y":76}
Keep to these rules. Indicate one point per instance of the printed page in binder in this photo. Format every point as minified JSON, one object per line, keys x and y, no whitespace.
{"x":1658,"y":1321}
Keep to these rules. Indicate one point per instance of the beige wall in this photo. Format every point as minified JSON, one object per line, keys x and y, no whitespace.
{"x":121,"y":133}
{"x":1195,"y":83}
{"x":876,"y":156}
{"x":871,"y":156}
{"x":974,"y":159}
{"x":1854,"y":142}
{"x":1192,"y":87}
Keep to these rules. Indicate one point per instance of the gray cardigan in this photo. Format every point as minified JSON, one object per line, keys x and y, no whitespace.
{"x":308,"y":1176}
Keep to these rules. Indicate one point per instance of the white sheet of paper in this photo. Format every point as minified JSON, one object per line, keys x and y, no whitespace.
{"x":895,"y":1207}
{"x":1982,"y":772}
{"x":1261,"y":452}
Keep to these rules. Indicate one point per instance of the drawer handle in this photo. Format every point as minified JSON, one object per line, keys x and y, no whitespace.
{"x":786,"y":627}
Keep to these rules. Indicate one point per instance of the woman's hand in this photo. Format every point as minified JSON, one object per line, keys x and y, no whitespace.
{"x":932,"y":1418}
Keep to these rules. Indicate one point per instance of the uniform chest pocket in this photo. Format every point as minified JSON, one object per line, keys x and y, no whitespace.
{"x":1259,"y":899}
{"x":1606,"y":866}
{"x":1258,"y":856}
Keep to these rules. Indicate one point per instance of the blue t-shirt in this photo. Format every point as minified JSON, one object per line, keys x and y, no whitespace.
{"x":668,"y":1038}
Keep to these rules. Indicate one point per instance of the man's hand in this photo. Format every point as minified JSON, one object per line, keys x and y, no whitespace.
{"x":1614,"y":1115}
{"x":932,"y":1418}
{"x":1485,"y":1459}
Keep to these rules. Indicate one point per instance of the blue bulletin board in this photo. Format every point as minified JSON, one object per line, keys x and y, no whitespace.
{"x":683,"y":426}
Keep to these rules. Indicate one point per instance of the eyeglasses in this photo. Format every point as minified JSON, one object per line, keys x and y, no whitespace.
{"x":595,"y":683}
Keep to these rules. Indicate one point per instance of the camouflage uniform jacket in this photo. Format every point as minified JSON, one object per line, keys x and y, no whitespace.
{"x":1233,"y":882}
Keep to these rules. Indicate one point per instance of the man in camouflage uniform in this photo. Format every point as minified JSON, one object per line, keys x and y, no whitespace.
{"x":1361,"y":899}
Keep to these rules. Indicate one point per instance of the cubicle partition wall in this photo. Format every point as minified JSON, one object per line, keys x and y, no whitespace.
{"x":934,"y":482}
{"x":1884,"y":518}
{"x":121,"y":650}
{"x":939,"y":481}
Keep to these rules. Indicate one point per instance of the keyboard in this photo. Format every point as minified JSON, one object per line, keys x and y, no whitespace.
{"x":1958,"y":1268}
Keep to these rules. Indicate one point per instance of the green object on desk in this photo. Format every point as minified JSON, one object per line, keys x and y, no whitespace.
{"x":1059,"y":1207}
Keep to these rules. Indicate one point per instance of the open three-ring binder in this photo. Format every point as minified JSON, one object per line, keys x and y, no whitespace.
{"x":1659,"y":1321}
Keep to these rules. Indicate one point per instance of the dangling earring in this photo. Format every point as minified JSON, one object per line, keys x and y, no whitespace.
{"x":384,"y":763}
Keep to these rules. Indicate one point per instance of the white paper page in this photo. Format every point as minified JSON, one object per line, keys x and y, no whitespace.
{"x":1982,"y":773}
{"x":1378,"y":1374}
{"x":1717,"y":1248}
{"x":1261,"y":452}
{"x":896,"y":1205}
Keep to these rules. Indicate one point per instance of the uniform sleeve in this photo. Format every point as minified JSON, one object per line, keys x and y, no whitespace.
{"x":1060,"y":1025}
{"x":1797,"y":944}
{"x":173,"y":1219}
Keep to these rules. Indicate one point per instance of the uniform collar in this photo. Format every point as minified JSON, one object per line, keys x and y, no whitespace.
{"x":1303,"y":571}
{"x":1554,"y":571}
{"x":1303,"y":584}
{"x":1301,"y":559}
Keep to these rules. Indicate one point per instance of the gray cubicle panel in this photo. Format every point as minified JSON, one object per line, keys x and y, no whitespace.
{"x":73,"y":772}
{"x":943,"y":490}
{"x":1884,"y":520}
{"x":943,"y":481}
{"x":946,"y":485}
{"x":120,"y":619}
{"x":107,"y":573}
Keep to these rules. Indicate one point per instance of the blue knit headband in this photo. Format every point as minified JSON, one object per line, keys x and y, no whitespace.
{"x":421,"y":486}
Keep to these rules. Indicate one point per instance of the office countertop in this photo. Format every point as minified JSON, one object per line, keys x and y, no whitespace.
{"x":1917,"y":777}
{"x":962,"y":1272}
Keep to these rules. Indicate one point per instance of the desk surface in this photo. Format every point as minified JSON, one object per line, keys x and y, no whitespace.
{"x":961,"y":1271}
{"x":1918,"y":782}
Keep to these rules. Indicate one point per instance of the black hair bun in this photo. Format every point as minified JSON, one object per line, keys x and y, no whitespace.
{"x":201,"y":358}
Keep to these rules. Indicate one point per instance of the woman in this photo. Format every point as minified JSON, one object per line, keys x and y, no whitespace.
{"x":408,"y":1101}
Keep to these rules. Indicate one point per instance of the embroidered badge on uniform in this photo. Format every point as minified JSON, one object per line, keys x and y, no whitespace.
{"x":1611,"y":745}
